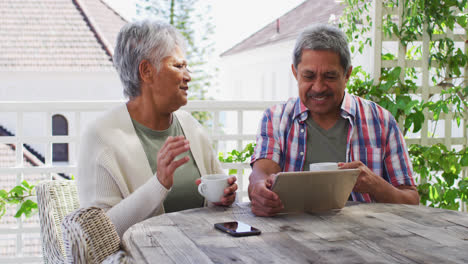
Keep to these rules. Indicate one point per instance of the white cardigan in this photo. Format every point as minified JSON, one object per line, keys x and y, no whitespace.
{"x":114,"y":173}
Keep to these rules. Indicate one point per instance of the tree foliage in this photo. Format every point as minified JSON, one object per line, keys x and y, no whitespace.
{"x":193,"y":20}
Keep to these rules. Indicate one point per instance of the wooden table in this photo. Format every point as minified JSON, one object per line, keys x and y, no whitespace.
{"x":358,"y":233}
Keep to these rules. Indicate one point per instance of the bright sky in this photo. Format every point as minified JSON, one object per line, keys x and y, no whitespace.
{"x":235,"y":20}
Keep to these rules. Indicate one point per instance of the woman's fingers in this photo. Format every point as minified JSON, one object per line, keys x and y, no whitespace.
{"x":230,"y":189}
{"x":171,"y":150}
{"x":175,"y":164}
{"x":166,"y":163}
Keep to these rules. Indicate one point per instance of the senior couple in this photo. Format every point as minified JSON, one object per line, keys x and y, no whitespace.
{"x":146,"y":156}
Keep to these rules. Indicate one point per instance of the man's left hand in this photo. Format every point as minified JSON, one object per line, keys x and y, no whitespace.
{"x":367,"y":181}
{"x":378,"y":188}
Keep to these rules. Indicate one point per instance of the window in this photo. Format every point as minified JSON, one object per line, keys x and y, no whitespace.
{"x":59,"y":128}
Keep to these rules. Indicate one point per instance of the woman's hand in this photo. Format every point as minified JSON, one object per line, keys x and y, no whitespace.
{"x":166,"y":165}
{"x":229,"y":193}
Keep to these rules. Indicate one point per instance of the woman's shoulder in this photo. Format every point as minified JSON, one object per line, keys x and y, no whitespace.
{"x":186,"y":119}
{"x":107,"y":124}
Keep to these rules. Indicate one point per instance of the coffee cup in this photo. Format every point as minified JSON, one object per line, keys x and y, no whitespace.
{"x":323,"y":166}
{"x":212,"y":187}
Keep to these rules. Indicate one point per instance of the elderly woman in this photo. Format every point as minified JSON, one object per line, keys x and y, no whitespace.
{"x":145,"y":157}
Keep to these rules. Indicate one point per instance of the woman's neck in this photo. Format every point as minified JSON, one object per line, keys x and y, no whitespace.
{"x":146,"y":113}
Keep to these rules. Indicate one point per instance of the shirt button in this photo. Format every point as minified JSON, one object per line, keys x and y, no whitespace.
{"x":302,"y":153}
{"x":302,"y":130}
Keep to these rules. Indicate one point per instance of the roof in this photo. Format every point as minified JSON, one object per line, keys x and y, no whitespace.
{"x":57,"y":35}
{"x":290,"y":24}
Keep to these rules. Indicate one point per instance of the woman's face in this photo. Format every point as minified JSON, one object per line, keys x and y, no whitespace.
{"x":170,"y":85}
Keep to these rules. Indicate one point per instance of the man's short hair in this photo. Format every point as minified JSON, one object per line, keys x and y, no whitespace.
{"x":323,"y":37}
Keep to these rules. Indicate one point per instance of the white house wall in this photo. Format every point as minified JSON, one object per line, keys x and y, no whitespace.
{"x":60,"y":86}
{"x":55,"y":86}
{"x":259,"y":74}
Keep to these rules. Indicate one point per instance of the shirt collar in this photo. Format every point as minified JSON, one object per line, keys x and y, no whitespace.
{"x":348,"y":106}
{"x":300,"y":111}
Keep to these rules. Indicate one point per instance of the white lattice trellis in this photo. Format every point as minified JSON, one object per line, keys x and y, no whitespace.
{"x":425,"y":89}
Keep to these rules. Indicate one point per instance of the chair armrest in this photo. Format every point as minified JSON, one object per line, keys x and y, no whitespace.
{"x":89,"y":236}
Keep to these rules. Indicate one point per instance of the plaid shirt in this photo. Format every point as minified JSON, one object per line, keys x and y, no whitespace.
{"x":373,"y":138}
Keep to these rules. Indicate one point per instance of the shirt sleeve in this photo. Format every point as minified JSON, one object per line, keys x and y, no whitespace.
{"x":267,"y":141}
{"x":397,"y":162}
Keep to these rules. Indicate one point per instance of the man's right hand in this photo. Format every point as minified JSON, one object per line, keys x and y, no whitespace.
{"x":264,"y":202}
{"x":166,"y":163}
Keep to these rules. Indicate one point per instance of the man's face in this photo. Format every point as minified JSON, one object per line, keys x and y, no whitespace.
{"x":321,"y":80}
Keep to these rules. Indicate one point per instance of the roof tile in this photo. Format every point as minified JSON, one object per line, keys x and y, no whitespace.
{"x":57,"y":35}
{"x":290,"y":24}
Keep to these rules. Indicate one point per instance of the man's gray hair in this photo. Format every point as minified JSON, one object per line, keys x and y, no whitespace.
{"x":323,"y":37}
{"x":143,"y":40}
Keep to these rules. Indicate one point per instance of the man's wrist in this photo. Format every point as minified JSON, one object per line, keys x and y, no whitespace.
{"x":383,"y":190}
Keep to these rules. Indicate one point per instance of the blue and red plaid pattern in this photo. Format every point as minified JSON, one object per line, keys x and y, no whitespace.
{"x":373,"y":138}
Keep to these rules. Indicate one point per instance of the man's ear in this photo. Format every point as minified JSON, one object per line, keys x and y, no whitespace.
{"x":348,"y":74}
{"x":294,"y":71}
{"x":145,"y":70}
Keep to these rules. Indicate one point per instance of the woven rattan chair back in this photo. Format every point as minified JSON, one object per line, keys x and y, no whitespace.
{"x":55,"y":200}
{"x":89,"y":236}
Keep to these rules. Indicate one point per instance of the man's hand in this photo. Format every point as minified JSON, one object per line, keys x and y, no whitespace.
{"x":229,"y":193}
{"x":166,"y":165}
{"x":367,"y":180}
{"x":378,"y":188}
{"x":264,"y":202}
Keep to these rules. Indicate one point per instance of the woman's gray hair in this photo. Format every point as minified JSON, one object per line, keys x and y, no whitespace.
{"x":323,"y":37}
{"x":143,"y":40}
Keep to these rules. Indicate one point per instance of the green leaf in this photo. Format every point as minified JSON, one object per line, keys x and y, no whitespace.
{"x":3,"y":194}
{"x":2,"y":209}
{"x":395,"y":73}
{"x":464,"y":160}
{"x":17,"y":191}
{"x":388,"y":56}
{"x":408,"y":107}
{"x":450,"y":196}
{"x":462,"y":21}
{"x":25,"y":184}
{"x":27,"y":208}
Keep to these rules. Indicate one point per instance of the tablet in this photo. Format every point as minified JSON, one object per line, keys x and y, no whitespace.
{"x":314,"y":191}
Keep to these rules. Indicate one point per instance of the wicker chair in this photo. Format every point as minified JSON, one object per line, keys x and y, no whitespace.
{"x":55,"y":200}
{"x":90,"y":237}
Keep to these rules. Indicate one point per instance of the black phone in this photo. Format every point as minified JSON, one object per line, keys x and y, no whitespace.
{"x":237,"y":229}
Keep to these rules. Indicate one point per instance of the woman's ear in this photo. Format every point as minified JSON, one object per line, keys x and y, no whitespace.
{"x":145,"y":69}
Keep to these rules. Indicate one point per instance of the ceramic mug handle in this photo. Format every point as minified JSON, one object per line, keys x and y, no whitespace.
{"x":202,"y":189}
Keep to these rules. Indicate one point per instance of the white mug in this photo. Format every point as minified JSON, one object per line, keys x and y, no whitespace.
{"x":212,"y":186}
{"x":323,"y":166}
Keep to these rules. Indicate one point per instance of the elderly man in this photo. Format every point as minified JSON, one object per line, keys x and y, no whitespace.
{"x":326,"y":124}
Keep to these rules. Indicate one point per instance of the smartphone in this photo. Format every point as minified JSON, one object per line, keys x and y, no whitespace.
{"x":237,"y":229}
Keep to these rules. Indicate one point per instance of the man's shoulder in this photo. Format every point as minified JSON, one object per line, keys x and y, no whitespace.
{"x":367,"y":109}
{"x":284,"y":108}
{"x":369,"y":105}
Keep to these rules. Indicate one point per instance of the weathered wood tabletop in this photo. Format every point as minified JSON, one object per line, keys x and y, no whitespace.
{"x":358,"y":233}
